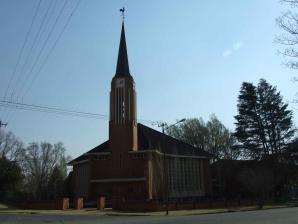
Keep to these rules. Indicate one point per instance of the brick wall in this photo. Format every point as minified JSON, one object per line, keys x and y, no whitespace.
{"x":60,"y":204}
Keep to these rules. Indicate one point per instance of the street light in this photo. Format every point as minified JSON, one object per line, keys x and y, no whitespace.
{"x":166,"y":189}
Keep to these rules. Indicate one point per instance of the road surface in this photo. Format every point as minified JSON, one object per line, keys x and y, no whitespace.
{"x":272,"y":216}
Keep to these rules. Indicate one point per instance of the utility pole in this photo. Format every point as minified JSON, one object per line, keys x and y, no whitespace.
{"x":165,"y":173}
{"x":164,"y":127}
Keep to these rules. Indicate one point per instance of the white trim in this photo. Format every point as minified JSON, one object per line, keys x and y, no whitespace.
{"x":185,"y":156}
{"x":170,"y":155}
{"x":79,"y":162}
{"x":139,"y":151}
{"x":98,"y":153}
{"x":108,"y":180}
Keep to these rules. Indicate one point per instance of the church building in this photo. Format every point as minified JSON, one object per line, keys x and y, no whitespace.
{"x":137,"y":163}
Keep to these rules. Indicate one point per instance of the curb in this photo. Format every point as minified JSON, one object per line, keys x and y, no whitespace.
{"x":94,"y":213}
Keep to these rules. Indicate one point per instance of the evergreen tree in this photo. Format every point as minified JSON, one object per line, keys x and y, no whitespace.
{"x":264,"y":124}
{"x":10,"y":175}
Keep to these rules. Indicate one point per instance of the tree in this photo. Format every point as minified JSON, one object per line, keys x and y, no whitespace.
{"x":39,"y":163}
{"x":212,"y":136}
{"x":10,"y":146}
{"x":220,"y":140}
{"x":288,"y":23}
{"x":292,"y":152}
{"x":56,"y":186}
{"x":192,"y":131}
{"x":264,"y":125}
{"x":10,"y":175}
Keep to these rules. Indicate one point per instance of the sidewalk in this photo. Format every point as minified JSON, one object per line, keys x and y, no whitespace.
{"x":108,"y":212}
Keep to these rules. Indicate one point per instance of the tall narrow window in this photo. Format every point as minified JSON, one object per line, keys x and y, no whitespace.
{"x":123,"y":105}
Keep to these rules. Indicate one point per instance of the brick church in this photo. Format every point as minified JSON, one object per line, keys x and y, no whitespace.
{"x":137,"y":162}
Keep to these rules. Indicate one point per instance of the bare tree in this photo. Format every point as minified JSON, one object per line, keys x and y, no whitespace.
{"x":288,"y":23}
{"x":10,"y":146}
{"x":220,"y":140}
{"x":212,"y":136}
{"x":39,"y":162}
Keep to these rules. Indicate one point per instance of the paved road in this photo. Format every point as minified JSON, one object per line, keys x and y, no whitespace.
{"x":273,"y":216}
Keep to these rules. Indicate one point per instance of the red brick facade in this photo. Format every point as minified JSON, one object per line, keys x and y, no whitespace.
{"x":130,"y":166}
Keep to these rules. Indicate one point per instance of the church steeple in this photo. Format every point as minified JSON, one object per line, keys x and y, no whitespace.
{"x":123,"y":106}
{"x":122,"y":62}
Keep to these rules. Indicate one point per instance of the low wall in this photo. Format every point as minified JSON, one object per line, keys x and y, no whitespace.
{"x":60,"y":204}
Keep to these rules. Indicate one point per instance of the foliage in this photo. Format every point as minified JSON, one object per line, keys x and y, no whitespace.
{"x":192,"y":131}
{"x":10,"y":175}
{"x":219,"y":140}
{"x":212,"y":136}
{"x":264,"y":125}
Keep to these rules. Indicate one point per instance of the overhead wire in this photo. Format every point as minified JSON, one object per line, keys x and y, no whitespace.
{"x":33,"y":45}
{"x":22,"y":49}
{"x":37,"y":59}
{"x":51,"y":109}
{"x":58,"y":110}
{"x":46,"y":109}
{"x":47,"y":39}
{"x":21,"y":52}
{"x":51,"y":50}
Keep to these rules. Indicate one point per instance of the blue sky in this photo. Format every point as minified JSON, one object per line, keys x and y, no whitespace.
{"x":188,"y":59}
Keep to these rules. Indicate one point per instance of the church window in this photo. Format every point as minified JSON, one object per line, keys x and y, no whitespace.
{"x":199,"y":175}
{"x":123,"y":109}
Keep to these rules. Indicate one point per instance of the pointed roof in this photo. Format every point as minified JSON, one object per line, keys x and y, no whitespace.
{"x":122,"y":63}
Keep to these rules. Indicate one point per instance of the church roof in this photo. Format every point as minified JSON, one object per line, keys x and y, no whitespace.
{"x":150,"y":139}
{"x":122,"y":62}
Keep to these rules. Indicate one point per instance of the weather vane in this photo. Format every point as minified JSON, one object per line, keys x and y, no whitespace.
{"x":122,"y":12}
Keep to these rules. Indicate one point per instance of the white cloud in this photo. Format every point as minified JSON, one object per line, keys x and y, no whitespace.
{"x":235,"y":47}
{"x":227,"y":53}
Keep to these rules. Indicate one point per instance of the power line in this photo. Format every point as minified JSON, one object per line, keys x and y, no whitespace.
{"x":51,"y":109}
{"x":21,"y":52}
{"x":58,"y":111}
{"x":43,"y":46}
{"x":34,"y":43}
{"x":22,"y":49}
{"x":51,"y":50}
{"x":47,"y":39}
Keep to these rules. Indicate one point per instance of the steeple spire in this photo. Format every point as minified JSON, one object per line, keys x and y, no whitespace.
{"x":122,"y":63}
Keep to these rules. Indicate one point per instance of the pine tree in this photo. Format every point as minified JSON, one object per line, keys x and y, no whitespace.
{"x":264,"y":124}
